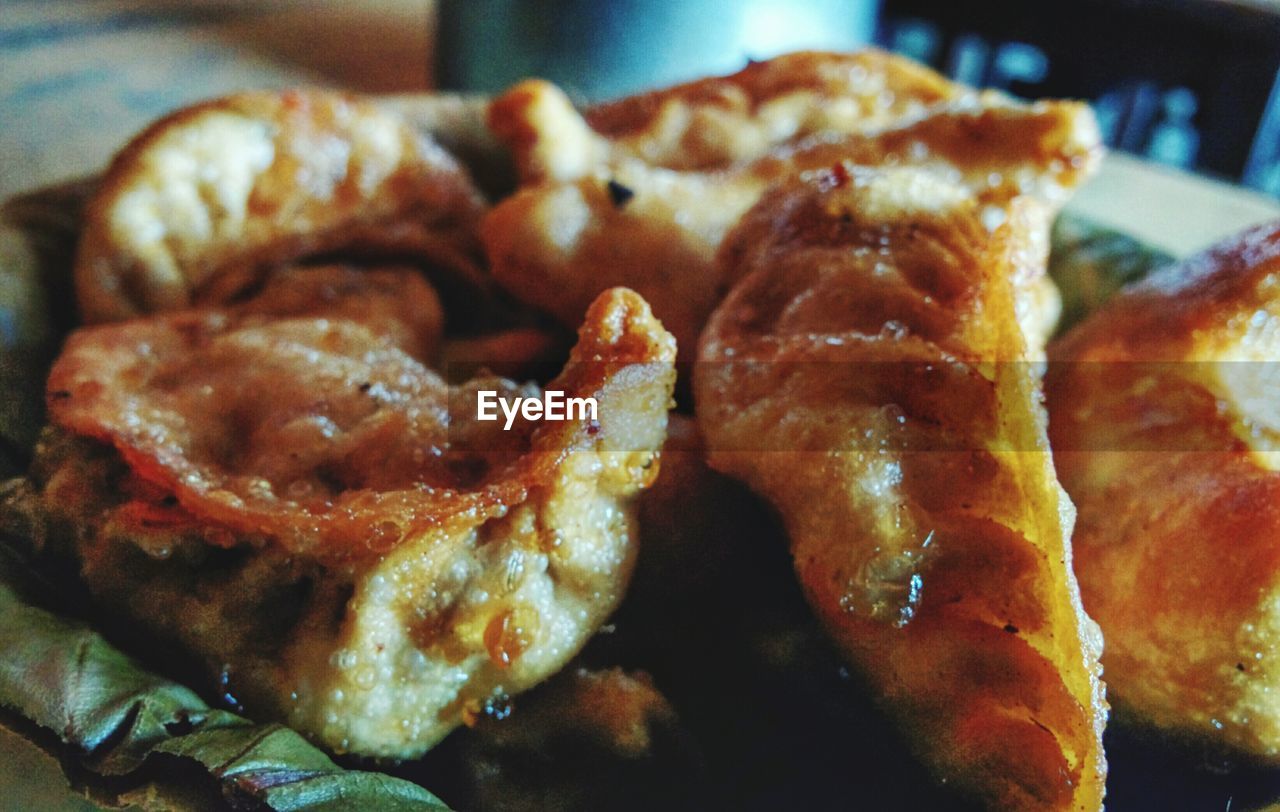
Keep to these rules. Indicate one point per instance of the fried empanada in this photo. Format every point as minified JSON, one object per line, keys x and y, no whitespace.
{"x":1164,"y":426}
{"x":598,"y":210}
{"x":203,"y":201}
{"x":871,"y":378}
{"x":328,"y":526}
{"x":721,"y":120}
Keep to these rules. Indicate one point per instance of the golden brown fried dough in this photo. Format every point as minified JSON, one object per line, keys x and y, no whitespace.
{"x":598,"y":209}
{"x":396,"y":303}
{"x":203,"y":201}
{"x":721,"y":120}
{"x":1164,"y":428}
{"x":870,"y":376}
{"x":322,"y":520}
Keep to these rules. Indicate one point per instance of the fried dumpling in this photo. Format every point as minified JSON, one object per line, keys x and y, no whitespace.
{"x":597,"y":209}
{"x":1164,"y":426}
{"x":198,"y":205}
{"x":328,"y":526}
{"x":871,"y":378}
{"x":718,"y":121}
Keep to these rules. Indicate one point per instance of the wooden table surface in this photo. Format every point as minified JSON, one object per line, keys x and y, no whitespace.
{"x":77,"y":79}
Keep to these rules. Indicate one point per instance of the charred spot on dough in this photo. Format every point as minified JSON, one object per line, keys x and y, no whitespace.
{"x":619,"y":194}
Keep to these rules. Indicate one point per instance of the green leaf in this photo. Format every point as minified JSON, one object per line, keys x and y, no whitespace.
{"x":1089,"y":263}
{"x":65,"y":677}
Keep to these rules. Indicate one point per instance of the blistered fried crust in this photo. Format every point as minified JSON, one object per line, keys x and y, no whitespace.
{"x":722,"y":120}
{"x":1164,"y":427}
{"x":200,"y":203}
{"x":870,"y":377}
{"x":406,"y":559}
{"x":595,"y":212}
{"x":396,"y":303}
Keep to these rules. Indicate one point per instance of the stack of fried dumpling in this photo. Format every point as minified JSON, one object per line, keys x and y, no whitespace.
{"x":250,"y":453}
{"x":858,"y":249}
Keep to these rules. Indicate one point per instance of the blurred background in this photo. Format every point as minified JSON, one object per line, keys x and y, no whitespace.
{"x":1178,"y":84}
{"x":1190,"y":83}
